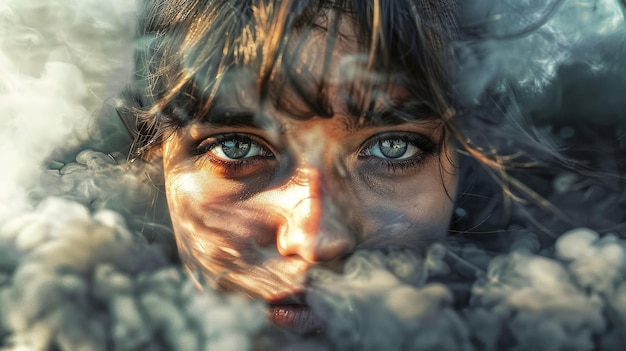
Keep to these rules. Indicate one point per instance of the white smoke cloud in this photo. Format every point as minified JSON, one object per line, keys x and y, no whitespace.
{"x":59,"y":61}
{"x":82,"y":281}
{"x":380,"y":302}
{"x":530,"y":57}
{"x":572,"y":301}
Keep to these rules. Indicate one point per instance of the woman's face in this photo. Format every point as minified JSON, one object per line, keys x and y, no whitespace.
{"x":258,"y":197}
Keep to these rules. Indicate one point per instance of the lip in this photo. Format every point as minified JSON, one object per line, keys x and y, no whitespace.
{"x":298,"y":318}
{"x":292,"y":315}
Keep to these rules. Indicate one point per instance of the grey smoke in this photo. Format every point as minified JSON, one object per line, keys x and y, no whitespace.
{"x":508,"y":49}
{"x":75,"y":273}
{"x":380,"y":302}
{"x":568,"y":302}
{"x":82,"y":281}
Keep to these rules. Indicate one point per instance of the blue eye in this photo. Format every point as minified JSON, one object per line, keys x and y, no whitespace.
{"x":237,"y":147}
{"x":395,"y":147}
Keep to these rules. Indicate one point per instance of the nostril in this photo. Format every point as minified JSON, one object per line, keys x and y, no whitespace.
{"x":314,"y":244}
{"x":313,"y":226}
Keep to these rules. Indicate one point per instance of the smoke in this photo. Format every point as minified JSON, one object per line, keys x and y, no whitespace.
{"x":526,"y":41}
{"x":380,"y":301}
{"x":572,"y":301}
{"x":59,"y":62}
{"x":75,"y":273}
{"x":82,"y":281}
{"x":86,"y":263}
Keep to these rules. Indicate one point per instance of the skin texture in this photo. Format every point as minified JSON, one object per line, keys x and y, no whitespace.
{"x":311,"y":191}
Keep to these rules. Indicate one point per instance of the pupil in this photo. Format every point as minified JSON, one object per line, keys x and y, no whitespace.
{"x":236,"y":148}
{"x":393,"y":148}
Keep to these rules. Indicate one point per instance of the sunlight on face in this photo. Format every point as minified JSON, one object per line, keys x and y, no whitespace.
{"x":255,"y":204}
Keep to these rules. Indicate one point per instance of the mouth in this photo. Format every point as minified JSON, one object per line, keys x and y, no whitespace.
{"x":292,"y":315}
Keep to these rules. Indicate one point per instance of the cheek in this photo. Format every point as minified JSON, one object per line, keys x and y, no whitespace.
{"x":213,"y":230}
{"x":406,"y":224}
{"x":408,"y":213}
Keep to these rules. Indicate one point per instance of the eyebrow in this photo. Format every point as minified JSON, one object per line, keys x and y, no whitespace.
{"x":233,"y":119}
{"x":390,"y":116}
{"x":381,"y":117}
{"x":229,"y":113}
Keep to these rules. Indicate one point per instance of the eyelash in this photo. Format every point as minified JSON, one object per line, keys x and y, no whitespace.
{"x":231,"y":166}
{"x":425,"y":146}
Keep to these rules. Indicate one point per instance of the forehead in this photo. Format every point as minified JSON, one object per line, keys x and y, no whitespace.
{"x":330,"y":44}
{"x":319,"y":67}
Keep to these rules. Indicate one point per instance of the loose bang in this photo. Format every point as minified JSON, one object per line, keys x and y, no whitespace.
{"x":195,"y":52}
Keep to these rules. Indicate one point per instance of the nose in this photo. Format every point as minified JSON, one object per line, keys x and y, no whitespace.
{"x":312,"y":226}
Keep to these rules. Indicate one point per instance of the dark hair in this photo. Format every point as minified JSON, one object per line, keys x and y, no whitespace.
{"x":193,"y":50}
{"x":192,"y":53}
